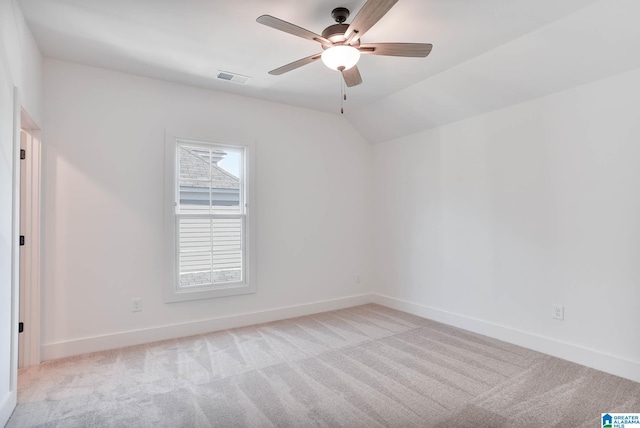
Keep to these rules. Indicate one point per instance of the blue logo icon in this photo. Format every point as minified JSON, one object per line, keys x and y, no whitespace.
{"x":607,"y":420}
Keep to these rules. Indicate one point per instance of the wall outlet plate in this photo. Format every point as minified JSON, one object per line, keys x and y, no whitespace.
{"x":137,"y":304}
{"x":557,"y":312}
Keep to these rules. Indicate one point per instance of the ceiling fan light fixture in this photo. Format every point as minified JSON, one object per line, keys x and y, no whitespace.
{"x":337,"y":57}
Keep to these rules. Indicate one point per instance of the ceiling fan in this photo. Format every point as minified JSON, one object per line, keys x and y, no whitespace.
{"x":341,"y":42}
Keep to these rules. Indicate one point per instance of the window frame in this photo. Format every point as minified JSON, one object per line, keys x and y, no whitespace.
{"x":173,"y":292}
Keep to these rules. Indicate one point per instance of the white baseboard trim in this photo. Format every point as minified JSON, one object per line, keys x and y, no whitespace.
{"x":69,"y":348}
{"x":587,"y":357}
{"x":7,"y":404}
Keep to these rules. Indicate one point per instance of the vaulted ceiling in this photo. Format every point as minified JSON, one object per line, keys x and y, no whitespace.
{"x":478,"y":46}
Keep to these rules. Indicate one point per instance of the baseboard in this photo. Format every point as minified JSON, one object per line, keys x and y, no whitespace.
{"x":588,"y":357}
{"x":7,"y":404}
{"x":567,"y":351}
{"x":69,"y":348}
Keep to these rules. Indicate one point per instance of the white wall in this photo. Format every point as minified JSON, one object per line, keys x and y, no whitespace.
{"x":103,"y":204}
{"x":486,"y":222}
{"x":19,"y":67}
{"x":20,"y":59}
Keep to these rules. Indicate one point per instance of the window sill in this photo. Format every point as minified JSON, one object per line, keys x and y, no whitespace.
{"x":196,"y":293}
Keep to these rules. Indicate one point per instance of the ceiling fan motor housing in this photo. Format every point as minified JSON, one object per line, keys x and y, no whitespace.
{"x":335,"y":32}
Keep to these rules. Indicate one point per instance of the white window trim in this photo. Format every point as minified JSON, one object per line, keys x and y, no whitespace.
{"x":172,"y":292}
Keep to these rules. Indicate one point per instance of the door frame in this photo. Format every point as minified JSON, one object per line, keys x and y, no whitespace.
{"x":30,"y":255}
{"x":8,"y":403}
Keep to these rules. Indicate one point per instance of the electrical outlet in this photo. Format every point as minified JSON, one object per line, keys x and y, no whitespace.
{"x":358,"y":279}
{"x":137,"y":304}
{"x":557,"y":312}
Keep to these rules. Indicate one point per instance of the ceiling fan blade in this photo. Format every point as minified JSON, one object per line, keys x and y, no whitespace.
{"x":366,"y":18}
{"x":352,"y":76}
{"x":295,"y":64}
{"x":287,"y":27}
{"x":397,"y":49}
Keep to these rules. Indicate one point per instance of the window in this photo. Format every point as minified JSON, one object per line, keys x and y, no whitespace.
{"x":209,"y":223}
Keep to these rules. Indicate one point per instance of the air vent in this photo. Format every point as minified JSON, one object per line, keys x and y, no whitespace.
{"x":233,"y":77}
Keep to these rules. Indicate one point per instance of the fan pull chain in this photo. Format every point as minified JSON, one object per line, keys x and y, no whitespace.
{"x":343,"y":95}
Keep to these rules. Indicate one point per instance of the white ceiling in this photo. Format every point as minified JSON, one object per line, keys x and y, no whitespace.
{"x":188,"y":41}
{"x":594,"y":43}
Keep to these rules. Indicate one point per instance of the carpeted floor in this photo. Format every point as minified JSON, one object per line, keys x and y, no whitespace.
{"x":367,"y":366}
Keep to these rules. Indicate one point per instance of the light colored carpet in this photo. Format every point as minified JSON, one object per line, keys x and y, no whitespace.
{"x":367,"y":366}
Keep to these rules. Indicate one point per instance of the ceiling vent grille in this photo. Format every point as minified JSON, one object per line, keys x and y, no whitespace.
{"x":233,"y":77}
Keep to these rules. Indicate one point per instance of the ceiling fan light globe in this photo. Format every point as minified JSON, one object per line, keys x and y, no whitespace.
{"x":336,"y":57}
